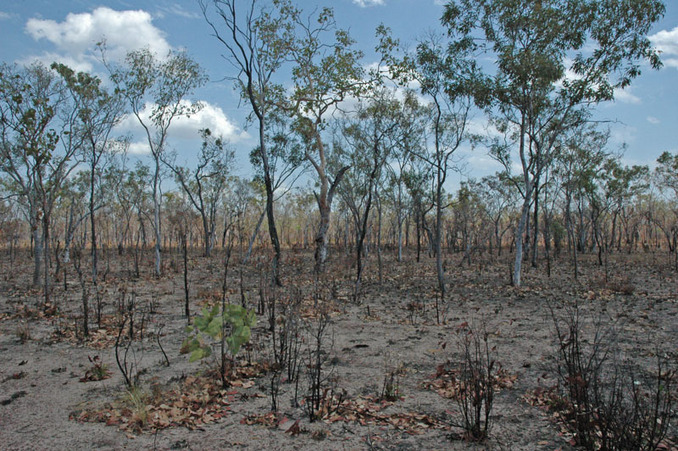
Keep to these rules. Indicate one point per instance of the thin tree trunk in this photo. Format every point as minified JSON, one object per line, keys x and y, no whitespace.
{"x":37,"y":256}
{"x":379,"y":259}
{"x":156,"y":217}
{"x":535,"y":238}
{"x":250,"y":245}
{"x":46,"y":258}
{"x":517,"y":265}
{"x":321,"y":238}
{"x":184,"y":248}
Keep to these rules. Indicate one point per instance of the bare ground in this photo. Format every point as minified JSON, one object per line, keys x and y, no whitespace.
{"x":44,"y":405}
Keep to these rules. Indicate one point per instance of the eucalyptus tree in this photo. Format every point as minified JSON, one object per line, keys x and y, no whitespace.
{"x":98,"y":112}
{"x":205,"y":183}
{"x":469,"y":215}
{"x":156,"y":90}
{"x":581,"y":158}
{"x":411,"y":141}
{"x":498,"y":198}
{"x":418,"y":180}
{"x":129,"y":198}
{"x":284,"y":165}
{"x":38,"y":150}
{"x":257,"y":41}
{"x":600,"y":203}
{"x":396,"y":192}
{"x":618,"y":186}
{"x":239,"y":197}
{"x":534,"y":44}
{"x":625,"y":186}
{"x":366,"y":141}
{"x":73,"y":211}
{"x":442,"y":75}
{"x":10,"y":223}
{"x":327,"y":70}
{"x":666,"y":174}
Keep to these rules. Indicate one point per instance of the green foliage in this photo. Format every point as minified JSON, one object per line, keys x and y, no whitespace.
{"x":667,"y":171}
{"x":211,"y":324}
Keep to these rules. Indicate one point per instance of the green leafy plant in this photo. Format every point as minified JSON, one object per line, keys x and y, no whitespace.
{"x":211,"y":325}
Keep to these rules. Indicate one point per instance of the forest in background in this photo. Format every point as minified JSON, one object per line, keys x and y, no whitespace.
{"x":379,"y":145}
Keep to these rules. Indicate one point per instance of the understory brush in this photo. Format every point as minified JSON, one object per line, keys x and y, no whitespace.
{"x":609,"y":403}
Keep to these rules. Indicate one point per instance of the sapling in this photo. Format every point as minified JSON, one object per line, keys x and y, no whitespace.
{"x":209,"y":326}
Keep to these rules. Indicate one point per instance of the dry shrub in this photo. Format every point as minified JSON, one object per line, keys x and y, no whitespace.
{"x":608,"y":402}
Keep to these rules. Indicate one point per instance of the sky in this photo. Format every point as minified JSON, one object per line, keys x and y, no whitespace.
{"x":643,"y":118}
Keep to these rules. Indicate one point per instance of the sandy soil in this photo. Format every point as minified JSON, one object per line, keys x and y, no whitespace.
{"x":394,"y":329}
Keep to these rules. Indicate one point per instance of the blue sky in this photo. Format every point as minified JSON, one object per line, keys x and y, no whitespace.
{"x":644,"y":117}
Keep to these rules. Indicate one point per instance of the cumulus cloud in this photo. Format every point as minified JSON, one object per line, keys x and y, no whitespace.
{"x":667,"y":42}
{"x":479,"y":163}
{"x":184,"y":127}
{"x":4,"y":15}
{"x":139,"y":148}
{"x":212,"y":117}
{"x":653,"y":120}
{"x":47,"y":58}
{"x":366,"y":3}
{"x":123,"y":31}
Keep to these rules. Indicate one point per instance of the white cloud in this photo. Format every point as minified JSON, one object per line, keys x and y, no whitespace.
{"x":483,"y":128}
{"x":479,"y":163}
{"x":186,"y":128}
{"x":367,"y":3}
{"x":667,"y":43}
{"x":4,"y":15}
{"x":78,"y":34}
{"x":78,"y":65}
{"x":625,"y":96}
{"x":653,"y":120}
{"x":212,"y":117}
{"x":176,"y":10}
{"x":139,"y":148}
{"x":623,"y":134}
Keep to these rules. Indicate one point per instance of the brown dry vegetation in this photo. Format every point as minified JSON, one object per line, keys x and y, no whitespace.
{"x":388,"y":373}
